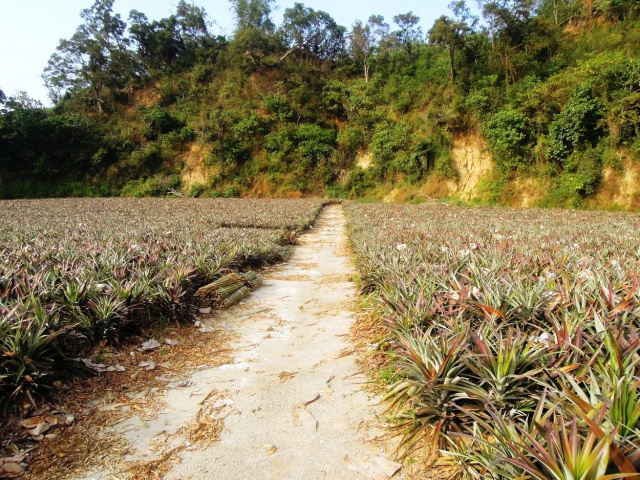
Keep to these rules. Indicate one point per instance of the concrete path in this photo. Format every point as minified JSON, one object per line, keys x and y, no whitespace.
{"x":292,"y":404}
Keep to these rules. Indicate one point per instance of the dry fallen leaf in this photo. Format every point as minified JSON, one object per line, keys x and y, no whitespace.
{"x":284,"y":376}
{"x":32,"y":422}
{"x":39,"y":429}
{"x":13,"y":459}
{"x":12,"y":470}
{"x":149,"y":345}
{"x":151,"y":365}
{"x":268,"y":448}
{"x":51,"y":420}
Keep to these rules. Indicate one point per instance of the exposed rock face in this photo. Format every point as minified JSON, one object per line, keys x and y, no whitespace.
{"x":363,"y":160}
{"x":620,"y":188}
{"x":391,"y":196}
{"x":472,"y":163}
{"x":195,"y":171}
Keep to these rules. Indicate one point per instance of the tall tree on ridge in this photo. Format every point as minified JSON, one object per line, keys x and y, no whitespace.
{"x":365,"y":39}
{"x":95,"y":57}
{"x":408,"y":32}
{"x":450,"y":32}
{"x":253,"y":14}
{"x":507,"y":24}
{"x":174,"y":42}
{"x":313,"y":32}
{"x":253,"y":36}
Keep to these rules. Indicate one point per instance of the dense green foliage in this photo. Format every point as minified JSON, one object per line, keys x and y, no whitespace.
{"x":553,"y":86}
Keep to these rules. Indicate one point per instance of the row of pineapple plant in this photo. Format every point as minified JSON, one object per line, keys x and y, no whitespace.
{"x":77,"y":273}
{"x":512,"y":335}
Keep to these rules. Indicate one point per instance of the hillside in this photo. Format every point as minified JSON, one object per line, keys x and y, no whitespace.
{"x":535,"y":104}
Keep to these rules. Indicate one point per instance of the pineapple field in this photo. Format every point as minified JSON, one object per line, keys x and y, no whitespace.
{"x":510,"y":336}
{"x":504,"y":343}
{"x":77,"y":273}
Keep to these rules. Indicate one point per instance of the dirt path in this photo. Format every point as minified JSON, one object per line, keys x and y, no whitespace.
{"x":291,"y":405}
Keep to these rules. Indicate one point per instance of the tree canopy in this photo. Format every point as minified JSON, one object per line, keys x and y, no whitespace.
{"x":311,"y":106}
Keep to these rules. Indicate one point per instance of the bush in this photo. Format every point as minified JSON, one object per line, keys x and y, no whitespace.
{"x":388,"y":141}
{"x":156,"y":186}
{"x":278,"y":105}
{"x":357,"y":183}
{"x":281,"y":142}
{"x":444,"y":166}
{"x":245,"y":134}
{"x":506,"y":133}
{"x":196,"y":190}
{"x":581,"y":176}
{"x":351,"y":139}
{"x":159,"y":121}
{"x":334,"y":94}
{"x":143,"y":161}
{"x":231,"y":192}
{"x":578,"y":125}
{"x":315,"y":143}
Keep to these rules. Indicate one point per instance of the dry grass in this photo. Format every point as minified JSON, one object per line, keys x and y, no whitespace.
{"x":286,"y":376}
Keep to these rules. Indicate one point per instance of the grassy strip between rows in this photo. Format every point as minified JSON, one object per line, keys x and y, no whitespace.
{"x":76,"y":274}
{"x":511,"y":337}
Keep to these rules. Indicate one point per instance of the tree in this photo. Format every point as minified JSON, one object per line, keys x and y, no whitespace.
{"x":408,"y":32}
{"x":618,"y":9}
{"x":451,"y":32}
{"x":175,"y":42}
{"x":365,"y":39}
{"x":314,"y":32}
{"x":507,"y":23}
{"x":22,"y":101}
{"x":96,"y":56}
{"x":192,"y":22}
{"x":253,"y":38}
{"x":253,"y":14}
{"x":18,"y":101}
{"x":157,"y":44}
{"x":361,"y":46}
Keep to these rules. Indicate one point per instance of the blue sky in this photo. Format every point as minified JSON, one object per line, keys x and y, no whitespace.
{"x":30,"y":30}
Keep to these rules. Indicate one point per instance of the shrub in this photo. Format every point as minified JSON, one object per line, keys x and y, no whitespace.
{"x":351,"y":139}
{"x":333,"y":96}
{"x":444,"y":166}
{"x":315,"y":143}
{"x":143,"y":161}
{"x":506,"y":134}
{"x":357,"y":183}
{"x":231,"y":192}
{"x":156,"y":186}
{"x":159,"y":121}
{"x":578,"y":125}
{"x":278,"y":105}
